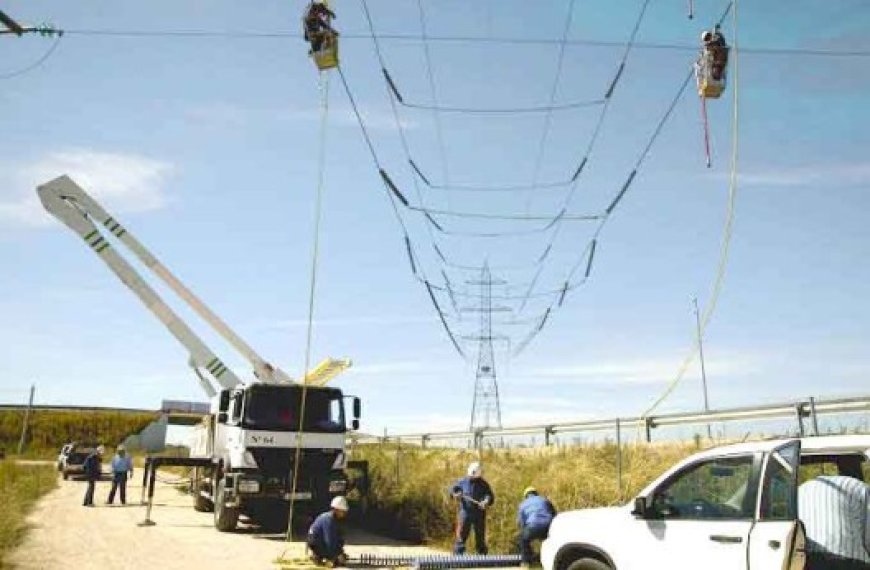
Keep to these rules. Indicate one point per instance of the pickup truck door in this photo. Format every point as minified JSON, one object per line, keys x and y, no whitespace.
{"x":777,"y":540}
{"x":700,"y":517}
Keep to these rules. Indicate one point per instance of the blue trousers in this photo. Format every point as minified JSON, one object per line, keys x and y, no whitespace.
{"x":119,"y":483}
{"x":464,"y":526}
{"x":528,"y":534}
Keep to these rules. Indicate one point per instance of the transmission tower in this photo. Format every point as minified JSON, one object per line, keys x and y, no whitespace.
{"x":485,"y":408}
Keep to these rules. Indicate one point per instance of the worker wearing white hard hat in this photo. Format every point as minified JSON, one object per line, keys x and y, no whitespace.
{"x":534,"y":516}
{"x":326,"y":535}
{"x":474,"y":495}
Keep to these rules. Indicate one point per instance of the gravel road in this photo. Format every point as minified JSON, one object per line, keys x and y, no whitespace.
{"x":66,"y":535}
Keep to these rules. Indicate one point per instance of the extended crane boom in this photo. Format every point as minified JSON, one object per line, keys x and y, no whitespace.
{"x":70,"y":204}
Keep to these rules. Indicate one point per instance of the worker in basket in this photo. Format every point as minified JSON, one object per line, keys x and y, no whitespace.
{"x":317,"y":26}
{"x":715,"y":52}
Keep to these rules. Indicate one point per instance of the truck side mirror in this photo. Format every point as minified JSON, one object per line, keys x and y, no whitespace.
{"x":641,"y":508}
{"x":357,"y":408}
{"x":224,"y":403}
{"x":222,"y":417}
{"x":354,"y":424}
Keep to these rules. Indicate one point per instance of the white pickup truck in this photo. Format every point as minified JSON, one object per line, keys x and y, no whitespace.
{"x":728,"y":508}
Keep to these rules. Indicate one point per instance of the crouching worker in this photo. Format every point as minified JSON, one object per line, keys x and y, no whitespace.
{"x":326,"y":535}
{"x":534,"y":518}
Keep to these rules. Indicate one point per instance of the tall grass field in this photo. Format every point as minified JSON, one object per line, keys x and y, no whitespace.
{"x":409,"y":485}
{"x":49,"y":429}
{"x":20,"y":487}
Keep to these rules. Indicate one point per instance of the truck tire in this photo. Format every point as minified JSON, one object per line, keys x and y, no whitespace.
{"x":587,"y":564}
{"x":225,"y":518}
{"x":200,"y":504}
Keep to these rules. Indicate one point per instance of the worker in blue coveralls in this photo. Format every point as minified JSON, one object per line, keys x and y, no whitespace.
{"x":122,"y":466}
{"x":326,"y":535}
{"x":475,"y":496}
{"x":533,"y":517}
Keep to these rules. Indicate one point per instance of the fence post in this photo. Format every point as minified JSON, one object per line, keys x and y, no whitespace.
{"x":424,"y":439}
{"x":619,"y":458}
{"x":398,"y":454}
{"x":799,"y":413}
{"x":813,"y":416}
{"x":648,"y":427}
{"x":548,"y":432}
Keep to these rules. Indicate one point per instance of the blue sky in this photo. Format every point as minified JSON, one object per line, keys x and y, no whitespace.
{"x":206,"y":148}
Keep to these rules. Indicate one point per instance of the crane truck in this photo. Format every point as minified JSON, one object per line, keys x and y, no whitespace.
{"x":248,"y":441}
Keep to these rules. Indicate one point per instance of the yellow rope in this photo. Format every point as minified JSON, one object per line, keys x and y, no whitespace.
{"x":726,"y":232}
{"x":324,"y":113}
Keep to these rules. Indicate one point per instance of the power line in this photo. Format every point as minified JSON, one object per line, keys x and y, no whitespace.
{"x":38,"y":63}
{"x":359,"y":36}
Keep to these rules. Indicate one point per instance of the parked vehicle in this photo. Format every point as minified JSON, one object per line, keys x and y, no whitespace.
{"x":727,"y":508}
{"x":73,"y":464}
{"x":61,"y":458}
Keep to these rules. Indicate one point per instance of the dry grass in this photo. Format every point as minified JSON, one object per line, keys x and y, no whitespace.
{"x":20,"y":487}
{"x":409,"y":484}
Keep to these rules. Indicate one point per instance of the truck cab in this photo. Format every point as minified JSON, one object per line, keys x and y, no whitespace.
{"x":732,"y":507}
{"x":252,"y":436}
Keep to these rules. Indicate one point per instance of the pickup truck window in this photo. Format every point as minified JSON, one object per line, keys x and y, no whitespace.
{"x":778,"y":495}
{"x":713,"y":489}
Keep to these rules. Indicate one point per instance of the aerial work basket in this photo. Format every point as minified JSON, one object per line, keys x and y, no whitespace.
{"x":327,"y":56}
{"x":711,"y":79}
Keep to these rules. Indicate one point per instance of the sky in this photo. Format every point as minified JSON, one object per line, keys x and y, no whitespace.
{"x":206,"y":148}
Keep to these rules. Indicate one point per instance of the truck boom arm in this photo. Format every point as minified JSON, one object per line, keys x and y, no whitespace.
{"x":70,"y":204}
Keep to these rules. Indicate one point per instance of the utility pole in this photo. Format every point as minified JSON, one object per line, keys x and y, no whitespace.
{"x":26,"y":420}
{"x":703,"y":369}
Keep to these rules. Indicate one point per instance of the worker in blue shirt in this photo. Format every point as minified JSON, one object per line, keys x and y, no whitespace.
{"x":533,"y":517}
{"x":122,"y":465}
{"x":475,"y":496}
{"x":326,"y":535}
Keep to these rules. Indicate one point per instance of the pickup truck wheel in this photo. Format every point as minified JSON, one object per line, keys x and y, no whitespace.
{"x":587,"y":564}
{"x":225,"y":518}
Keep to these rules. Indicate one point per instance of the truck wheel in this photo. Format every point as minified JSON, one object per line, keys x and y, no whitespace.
{"x":200,"y":504}
{"x":65,"y":475}
{"x":225,"y":518}
{"x":587,"y":564}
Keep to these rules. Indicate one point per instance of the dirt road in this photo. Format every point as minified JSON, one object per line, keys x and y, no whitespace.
{"x":66,"y":535}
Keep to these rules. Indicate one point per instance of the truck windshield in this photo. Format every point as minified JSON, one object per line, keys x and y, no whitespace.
{"x":277,"y":408}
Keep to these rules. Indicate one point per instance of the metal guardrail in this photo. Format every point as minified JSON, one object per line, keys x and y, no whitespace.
{"x":811,"y":409}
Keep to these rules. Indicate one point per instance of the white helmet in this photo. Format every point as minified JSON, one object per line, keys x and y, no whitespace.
{"x":339,"y":503}
{"x":475,"y":470}
{"x":101,"y":449}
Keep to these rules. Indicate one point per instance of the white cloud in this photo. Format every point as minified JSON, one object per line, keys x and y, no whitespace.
{"x":348,"y":321}
{"x":842,"y":174}
{"x":233,"y":116}
{"x":628,"y":372}
{"x":123,"y":182}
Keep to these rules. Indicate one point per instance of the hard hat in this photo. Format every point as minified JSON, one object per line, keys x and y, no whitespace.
{"x":121,"y":447}
{"x":706,"y":36}
{"x":475,"y":470}
{"x":339,"y":503}
{"x":528,"y":490}
{"x":101,"y":449}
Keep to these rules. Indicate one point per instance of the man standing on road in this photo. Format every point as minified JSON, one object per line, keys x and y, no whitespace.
{"x":474,"y":495}
{"x":326,"y":535}
{"x":534,"y":517}
{"x":121,"y":466}
{"x":93,"y":468}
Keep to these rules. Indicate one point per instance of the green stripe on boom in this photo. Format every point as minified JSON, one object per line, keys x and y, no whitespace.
{"x":90,"y":235}
{"x":211,"y":363}
{"x":102,"y":247}
{"x":97,"y":242}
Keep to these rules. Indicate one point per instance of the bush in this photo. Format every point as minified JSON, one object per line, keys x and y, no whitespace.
{"x":20,"y":487}
{"x":409,"y":485}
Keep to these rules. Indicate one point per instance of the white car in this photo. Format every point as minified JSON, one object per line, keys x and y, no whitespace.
{"x":727,"y":508}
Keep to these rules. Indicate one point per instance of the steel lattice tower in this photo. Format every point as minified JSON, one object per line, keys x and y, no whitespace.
{"x":485,"y":408}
